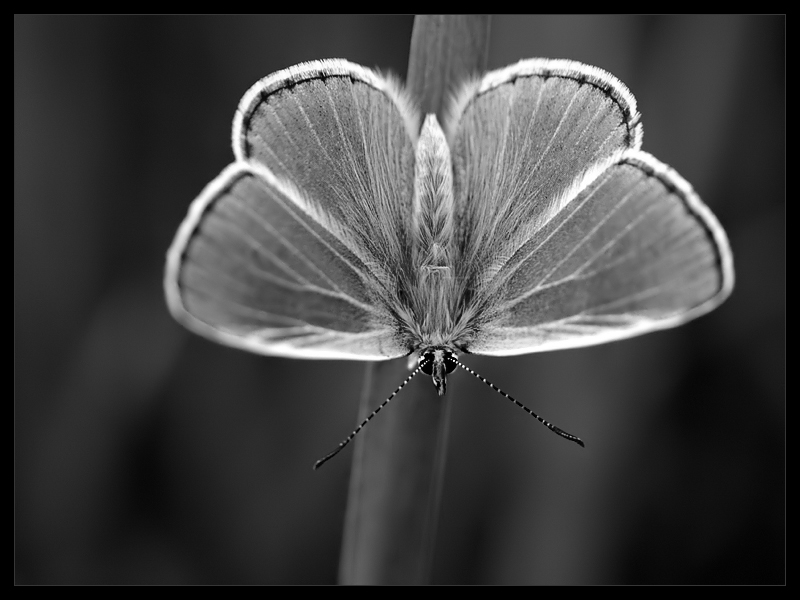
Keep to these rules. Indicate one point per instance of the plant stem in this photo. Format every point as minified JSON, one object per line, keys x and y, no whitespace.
{"x":398,"y":461}
{"x":445,"y":50}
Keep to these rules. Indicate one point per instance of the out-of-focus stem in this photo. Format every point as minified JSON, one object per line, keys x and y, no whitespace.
{"x":398,"y":460}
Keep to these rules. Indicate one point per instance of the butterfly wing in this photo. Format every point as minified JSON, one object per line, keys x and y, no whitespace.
{"x":291,"y":249}
{"x":573,"y":235}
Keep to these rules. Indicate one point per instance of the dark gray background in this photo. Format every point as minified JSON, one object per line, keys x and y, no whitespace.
{"x":145,"y":454}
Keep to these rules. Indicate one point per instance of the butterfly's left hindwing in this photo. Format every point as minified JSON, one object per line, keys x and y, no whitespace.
{"x":635,"y":252}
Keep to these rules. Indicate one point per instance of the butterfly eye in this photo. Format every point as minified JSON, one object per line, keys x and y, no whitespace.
{"x":426,"y":363}
{"x":450,"y":362}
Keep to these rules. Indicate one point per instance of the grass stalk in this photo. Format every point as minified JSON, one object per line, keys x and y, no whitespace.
{"x":398,"y":459}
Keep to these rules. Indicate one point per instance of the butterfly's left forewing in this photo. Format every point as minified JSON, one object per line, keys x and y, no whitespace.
{"x":524,"y":139}
{"x":292,"y":250}
{"x":606,"y":243}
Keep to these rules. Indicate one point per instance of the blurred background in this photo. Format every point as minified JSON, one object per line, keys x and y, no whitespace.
{"x":145,"y":454}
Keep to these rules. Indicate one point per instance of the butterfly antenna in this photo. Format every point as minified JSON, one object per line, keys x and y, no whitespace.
{"x":550,"y":426}
{"x":346,"y":441}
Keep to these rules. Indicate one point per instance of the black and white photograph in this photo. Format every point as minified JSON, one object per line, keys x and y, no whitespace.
{"x":399,"y":300}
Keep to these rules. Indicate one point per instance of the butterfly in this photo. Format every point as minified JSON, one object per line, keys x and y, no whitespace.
{"x":350,"y":226}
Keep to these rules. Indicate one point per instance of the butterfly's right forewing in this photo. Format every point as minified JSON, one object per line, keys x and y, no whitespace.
{"x":344,"y":136}
{"x":294,"y":249}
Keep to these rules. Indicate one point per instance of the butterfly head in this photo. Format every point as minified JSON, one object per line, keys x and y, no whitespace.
{"x":438,"y":362}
